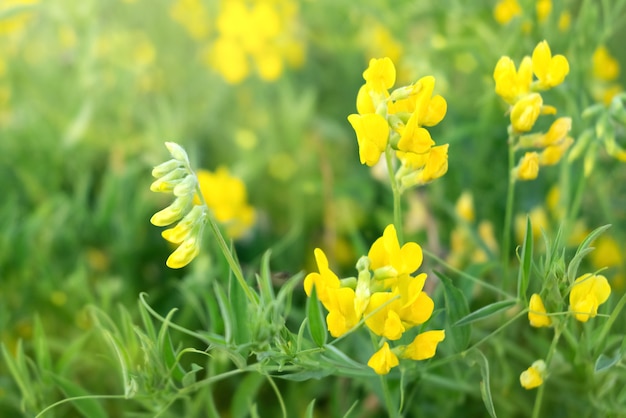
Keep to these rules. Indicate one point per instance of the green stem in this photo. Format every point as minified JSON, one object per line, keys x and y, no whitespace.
{"x":217,"y":234}
{"x":607,"y":326}
{"x":391,"y":410}
{"x":397,"y":202}
{"x":540,"y":390}
{"x":506,"y":240}
{"x":461,"y":273}
{"x":573,"y":209}
{"x":503,"y":326}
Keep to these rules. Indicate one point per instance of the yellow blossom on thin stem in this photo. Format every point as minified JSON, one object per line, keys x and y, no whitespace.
{"x":532,"y":377}
{"x":511,"y":84}
{"x":588,"y":293}
{"x":537,"y":312}
{"x":605,"y":66}
{"x":372,"y":133}
{"x":324,"y":281}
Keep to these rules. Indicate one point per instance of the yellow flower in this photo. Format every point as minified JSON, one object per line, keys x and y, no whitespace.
{"x":528,"y":167}
{"x":185,"y":253}
{"x":511,"y":84}
{"x":588,"y":293}
{"x":526,"y":111}
{"x":506,"y":10}
{"x":464,"y":207}
{"x":533,"y":376}
{"x":380,"y":75}
{"x":382,"y":315}
{"x":538,"y":219}
{"x":605,"y":66}
{"x":557,"y":132}
{"x":565,"y":21}
{"x":226,"y":197}
{"x":424,"y":345}
{"x":537,"y":312}
{"x":414,"y":139}
{"x":324,"y":281}
{"x":193,"y":16}
{"x":372,"y":134}
{"x":550,"y":70}
{"x":436,"y":164}
{"x":383,"y":360}
{"x":607,"y":253}
{"x":553,"y":153}
{"x":341,"y":313}
{"x":543,"y":8}
{"x":386,"y":252}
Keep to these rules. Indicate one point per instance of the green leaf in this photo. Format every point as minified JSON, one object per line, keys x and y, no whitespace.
{"x":317,"y":325}
{"x":526,"y":259}
{"x":145,"y":317}
{"x":42,"y":352}
{"x":583,"y":249}
{"x":247,"y":390}
{"x":226,"y":311}
{"x":239,"y":306}
{"x":457,"y":308}
{"x":351,"y":410}
{"x":477,"y":357}
{"x":19,"y":371}
{"x":89,"y":408}
{"x":486,"y":311}
{"x":605,"y":362}
{"x":309,"y":409}
{"x":265,"y":280}
{"x":190,"y":376}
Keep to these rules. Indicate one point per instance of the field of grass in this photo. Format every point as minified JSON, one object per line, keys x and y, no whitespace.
{"x":312,"y":208}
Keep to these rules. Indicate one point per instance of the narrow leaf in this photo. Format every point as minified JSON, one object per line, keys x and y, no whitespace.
{"x":457,"y":308}
{"x":239,"y":305}
{"x":317,"y":325}
{"x":486,"y":311}
{"x":583,"y":249}
{"x":226,"y":311}
{"x":476,"y":356}
{"x":605,"y":362}
{"x":246,"y":392}
{"x":265,"y":280}
{"x":309,"y":409}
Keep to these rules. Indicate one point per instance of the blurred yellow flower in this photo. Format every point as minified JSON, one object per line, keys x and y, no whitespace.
{"x":588,"y":293}
{"x":538,"y":220}
{"x":543,"y":9}
{"x":512,"y":84}
{"x":506,"y":10}
{"x":533,"y":376}
{"x":383,"y":360}
{"x":605,"y":65}
{"x":193,"y":16}
{"x":528,"y":167}
{"x":14,"y":23}
{"x":257,"y":36}
{"x":565,"y":21}
{"x":226,"y":197}
{"x":607,"y":253}
{"x":537,"y":312}
{"x":525,"y":112}
{"x":464,"y":207}
{"x":550,"y":70}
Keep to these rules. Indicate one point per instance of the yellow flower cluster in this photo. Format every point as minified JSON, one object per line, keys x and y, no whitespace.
{"x":385,"y":295}
{"x":396,"y":121}
{"x":507,"y":10}
{"x":606,"y":71}
{"x":257,"y":34}
{"x":517,"y":88}
{"x":226,"y":196}
{"x":176,"y":177}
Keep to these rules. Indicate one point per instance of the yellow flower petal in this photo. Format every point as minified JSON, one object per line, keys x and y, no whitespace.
{"x":424,"y":345}
{"x":383,"y":360}
{"x":537,"y":312}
